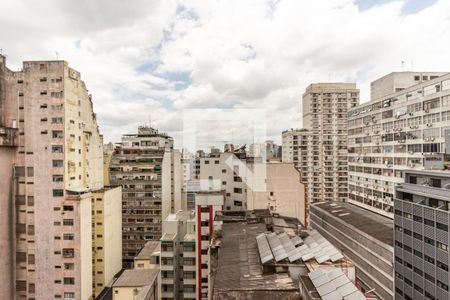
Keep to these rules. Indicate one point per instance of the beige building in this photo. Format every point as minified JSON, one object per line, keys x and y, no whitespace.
{"x":136,"y":284}
{"x":407,"y":129}
{"x":398,"y":81}
{"x":150,"y":173}
{"x":149,"y":256}
{"x":325,"y":107}
{"x":284,"y":194}
{"x":106,"y":237}
{"x":52,"y":162}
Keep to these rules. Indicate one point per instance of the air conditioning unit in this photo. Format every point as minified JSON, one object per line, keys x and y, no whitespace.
{"x":429,"y":124}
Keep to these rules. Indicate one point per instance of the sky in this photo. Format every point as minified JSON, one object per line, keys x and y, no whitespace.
{"x":151,"y":62}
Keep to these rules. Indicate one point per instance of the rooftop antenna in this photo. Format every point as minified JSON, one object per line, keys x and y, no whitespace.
{"x":403,"y":65}
{"x":57,"y":55}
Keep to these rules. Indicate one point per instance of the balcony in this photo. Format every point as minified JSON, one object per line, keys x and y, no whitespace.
{"x":8,"y":137}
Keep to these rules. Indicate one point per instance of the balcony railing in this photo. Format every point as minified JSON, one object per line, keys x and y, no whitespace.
{"x":8,"y":137}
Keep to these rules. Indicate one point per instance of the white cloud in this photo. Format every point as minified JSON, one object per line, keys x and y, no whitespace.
{"x":241,"y":54}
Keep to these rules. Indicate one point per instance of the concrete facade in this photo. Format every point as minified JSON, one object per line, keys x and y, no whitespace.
{"x":46,"y":114}
{"x":325,"y":107}
{"x":284,"y":194}
{"x":149,"y":171}
{"x":106,"y":240}
{"x":421,"y":235}
{"x":398,"y":81}
{"x":409,"y":129}
{"x":363,"y":237}
{"x":220,"y":172}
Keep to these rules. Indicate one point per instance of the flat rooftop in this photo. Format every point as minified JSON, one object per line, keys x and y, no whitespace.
{"x":377,"y":226}
{"x":149,"y":248}
{"x":136,"y":278}
{"x":239,"y":267}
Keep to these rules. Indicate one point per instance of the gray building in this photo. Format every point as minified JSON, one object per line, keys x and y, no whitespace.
{"x":364,"y":237}
{"x":421,"y":235}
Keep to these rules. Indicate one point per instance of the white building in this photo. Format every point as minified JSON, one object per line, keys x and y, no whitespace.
{"x":407,"y":129}
{"x":185,"y":253}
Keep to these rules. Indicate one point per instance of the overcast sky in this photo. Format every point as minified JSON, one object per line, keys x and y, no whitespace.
{"x":148,"y":61}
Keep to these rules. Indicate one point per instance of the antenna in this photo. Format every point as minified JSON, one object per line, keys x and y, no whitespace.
{"x":403,"y":65}
{"x":57,"y":55}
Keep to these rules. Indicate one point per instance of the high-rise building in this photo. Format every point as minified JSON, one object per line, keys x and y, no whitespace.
{"x":106,"y":240}
{"x":149,"y":171}
{"x":407,"y":129}
{"x":320,"y":149}
{"x":421,"y":219}
{"x":52,"y":163}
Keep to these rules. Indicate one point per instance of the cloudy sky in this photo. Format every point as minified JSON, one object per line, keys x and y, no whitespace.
{"x":148,"y":62}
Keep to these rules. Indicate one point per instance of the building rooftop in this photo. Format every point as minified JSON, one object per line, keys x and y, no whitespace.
{"x":150,"y":248}
{"x":168,"y":237}
{"x":239,"y":267}
{"x":136,"y":277}
{"x":376,"y":226}
{"x":190,"y":237}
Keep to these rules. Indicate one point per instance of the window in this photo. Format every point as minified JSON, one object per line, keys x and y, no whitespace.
{"x":69,"y":266}
{"x":442,"y":285}
{"x":68,"y":236}
{"x":69,"y":295}
{"x":68,"y":207}
{"x":57,"y":149}
{"x":69,"y":280}
{"x":57,"y":163}
{"x":442,"y":226}
{"x":238,"y":190}
{"x":428,"y":241}
{"x":58,"y":178}
{"x":429,"y":222}
{"x":206,"y":162}
{"x":68,"y":222}
{"x":57,"y":120}
{"x":224,"y":170}
{"x":216,"y":162}
{"x":57,"y":134}
{"x":442,"y":266}
{"x":428,"y":259}
{"x":58,"y":193}
{"x":442,"y":246}
{"x":30,"y":171}
{"x":68,"y":253}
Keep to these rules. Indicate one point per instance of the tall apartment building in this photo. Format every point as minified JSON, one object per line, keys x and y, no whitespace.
{"x":320,"y":149}
{"x":52,"y":161}
{"x":221,"y":172}
{"x":422,"y":238}
{"x":106,"y":240}
{"x":408,"y":129}
{"x":185,"y":257}
{"x":149,"y":171}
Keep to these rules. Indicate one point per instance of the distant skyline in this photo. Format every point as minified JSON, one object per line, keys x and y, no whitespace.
{"x":145,"y":62}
